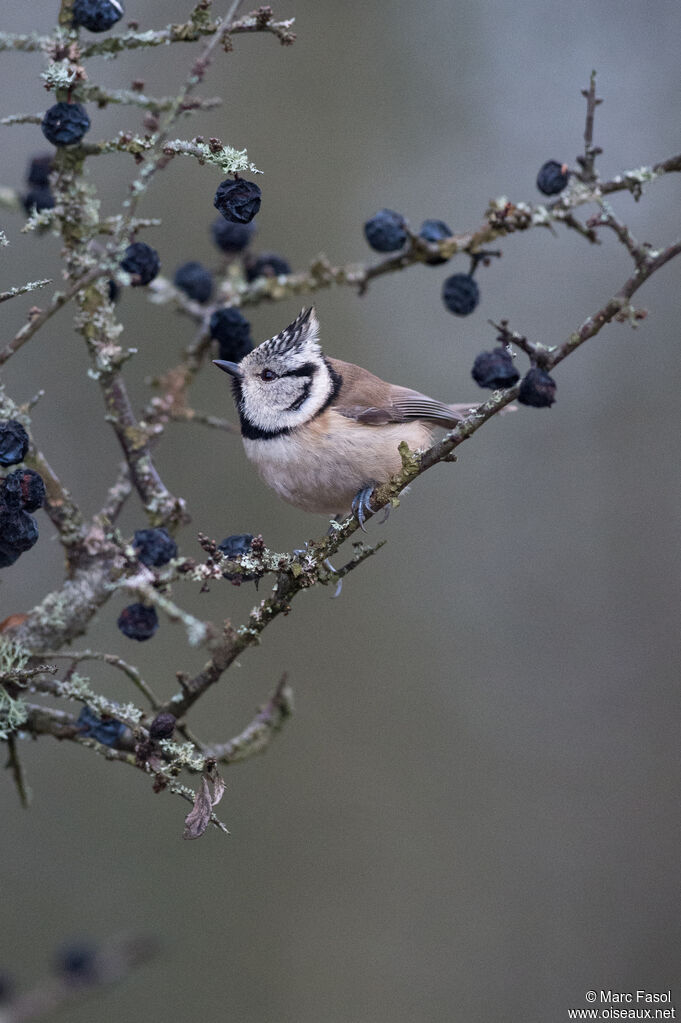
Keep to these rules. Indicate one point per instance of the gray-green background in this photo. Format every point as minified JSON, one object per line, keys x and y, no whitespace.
{"x":473,"y":814}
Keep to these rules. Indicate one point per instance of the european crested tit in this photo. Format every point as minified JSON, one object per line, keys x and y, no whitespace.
{"x":323,"y":433}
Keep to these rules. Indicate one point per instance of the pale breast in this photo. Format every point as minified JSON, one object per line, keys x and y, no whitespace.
{"x":320,"y":467}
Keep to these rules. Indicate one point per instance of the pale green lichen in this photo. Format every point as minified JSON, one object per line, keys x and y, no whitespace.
{"x":61,"y":74}
{"x":228,"y":159}
{"x":183,"y":755}
{"x":13,"y":656}
{"x":13,"y":713}
{"x":78,"y":687}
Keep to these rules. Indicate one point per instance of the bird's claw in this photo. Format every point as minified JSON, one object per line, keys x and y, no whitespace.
{"x":361,"y":504}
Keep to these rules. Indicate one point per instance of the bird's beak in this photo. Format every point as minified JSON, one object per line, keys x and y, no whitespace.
{"x":229,"y":367}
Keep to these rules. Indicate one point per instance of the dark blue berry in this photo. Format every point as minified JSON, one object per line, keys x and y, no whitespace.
{"x":137,"y":621}
{"x":230,"y":237}
{"x":38,"y":199}
{"x":141,"y":262}
{"x":265,"y":264}
{"x":18,"y":530}
{"x":537,"y":389}
{"x":104,"y":729}
{"x":232,"y":547}
{"x":77,"y":963}
{"x":162,"y":727}
{"x":114,"y":290}
{"x":238,"y":201}
{"x":97,"y":15}
{"x":495,"y":369}
{"x":552,"y":177}
{"x":386,"y":231}
{"x":195,"y":280}
{"x":13,"y":442}
{"x":39,"y":170}
{"x":434,"y":231}
{"x":232,"y":331}
{"x":460,"y":294}
{"x":30,"y":489}
{"x":154,"y":547}
{"x":64,"y":124}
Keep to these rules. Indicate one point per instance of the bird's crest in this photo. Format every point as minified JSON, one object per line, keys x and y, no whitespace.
{"x":301,"y":335}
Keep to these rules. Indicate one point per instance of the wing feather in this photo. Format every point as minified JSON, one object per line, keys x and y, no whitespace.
{"x":374,"y":402}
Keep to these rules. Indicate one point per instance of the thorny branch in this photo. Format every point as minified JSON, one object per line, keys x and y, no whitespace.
{"x":98,"y":560}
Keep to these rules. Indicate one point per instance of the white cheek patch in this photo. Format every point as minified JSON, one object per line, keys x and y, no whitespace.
{"x":272,"y":412}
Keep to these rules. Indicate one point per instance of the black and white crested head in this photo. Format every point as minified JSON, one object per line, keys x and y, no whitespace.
{"x":285,"y":382}
{"x":301,"y":336}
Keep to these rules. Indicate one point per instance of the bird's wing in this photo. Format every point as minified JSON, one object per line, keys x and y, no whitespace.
{"x":373,"y":402}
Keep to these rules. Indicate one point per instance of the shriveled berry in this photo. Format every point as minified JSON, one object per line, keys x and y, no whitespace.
{"x":552,"y":177}
{"x":104,"y":729}
{"x":77,"y":963}
{"x":234,"y":546}
{"x":537,"y":389}
{"x":39,"y":170}
{"x":154,"y":547}
{"x":30,"y":488}
{"x":141,"y":262}
{"x":265,"y":264}
{"x":495,"y":369}
{"x":460,"y":294}
{"x":64,"y":124}
{"x":238,"y":201}
{"x":97,"y":15}
{"x":195,"y":280}
{"x":13,"y":442}
{"x":37,"y":199}
{"x":137,"y":621}
{"x":163,"y":726}
{"x":435,"y":231}
{"x":386,"y":231}
{"x":18,"y":529}
{"x":230,"y":237}
{"x":232,"y":331}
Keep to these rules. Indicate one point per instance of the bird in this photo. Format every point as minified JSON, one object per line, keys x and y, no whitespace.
{"x":323,"y":433}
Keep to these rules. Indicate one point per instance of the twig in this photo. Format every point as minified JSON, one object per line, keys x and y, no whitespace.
{"x":39,"y":317}
{"x":15,"y":766}
{"x":257,"y":736}
{"x":588,"y":174}
{"x":76,"y":656}
{"x":31,"y":286}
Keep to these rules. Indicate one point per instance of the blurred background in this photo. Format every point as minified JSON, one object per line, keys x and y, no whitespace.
{"x":474,"y":812}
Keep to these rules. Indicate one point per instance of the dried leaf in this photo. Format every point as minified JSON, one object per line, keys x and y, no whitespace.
{"x":198,"y":818}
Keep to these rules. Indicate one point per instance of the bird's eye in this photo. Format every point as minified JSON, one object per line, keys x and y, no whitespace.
{"x":268,"y":374}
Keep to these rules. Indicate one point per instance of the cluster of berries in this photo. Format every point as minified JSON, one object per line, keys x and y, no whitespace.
{"x":153,"y":547}
{"x":21,"y":492}
{"x":495,"y":370}
{"x":387,"y":231}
